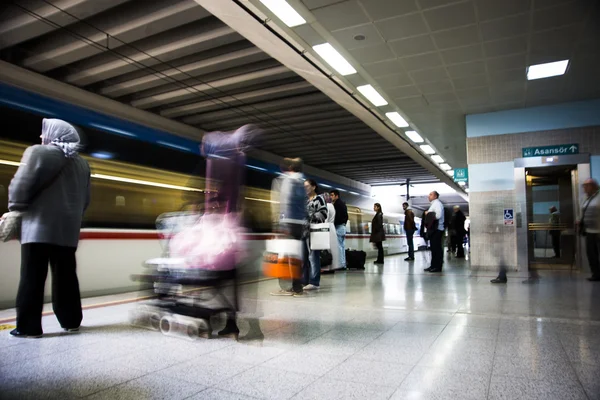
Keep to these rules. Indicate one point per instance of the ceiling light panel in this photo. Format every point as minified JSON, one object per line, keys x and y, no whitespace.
{"x":438,"y":159}
{"x":547,"y":70}
{"x":335,"y":59}
{"x":450,"y":172}
{"x":284,"y":12}
{"x":397,"y":119}
{"x":414,"y":136}
{"x":427,"y":149}
{"x":372,"y":95}
{"x":445,"y":167}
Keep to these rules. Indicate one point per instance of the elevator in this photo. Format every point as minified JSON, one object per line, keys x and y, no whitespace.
{"x":548,"y":194}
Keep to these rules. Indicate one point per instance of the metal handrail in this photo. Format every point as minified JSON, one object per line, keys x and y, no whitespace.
{"x":543,"y":226}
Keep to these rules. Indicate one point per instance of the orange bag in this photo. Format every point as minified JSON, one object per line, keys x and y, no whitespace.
{"x":283,"y":259}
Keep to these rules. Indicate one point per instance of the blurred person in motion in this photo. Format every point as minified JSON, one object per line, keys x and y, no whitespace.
{"x":225,"y":166}
{"x":555,"y":233}
{"x":340,"y":221}
{"x":291,"y":216}
{"x":588,"y":225}
{"x":409,"y":228}
{"x":435,"y":214}
{"x":52,"y":191}
{"x":330,"y":208}
{"x":378,"y":232}
{"x":316,"y":214}
{"x":457,"y":229}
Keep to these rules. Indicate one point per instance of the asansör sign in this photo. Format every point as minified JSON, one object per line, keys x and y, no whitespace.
{"x":558,"y":150}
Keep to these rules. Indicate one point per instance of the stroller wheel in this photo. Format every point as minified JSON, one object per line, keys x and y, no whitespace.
{"x":166,"y":325}
{"x":155,"y":321}
{"x":193,"y":330}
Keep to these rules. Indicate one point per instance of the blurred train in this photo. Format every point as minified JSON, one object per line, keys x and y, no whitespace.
{"x":126,"y":198}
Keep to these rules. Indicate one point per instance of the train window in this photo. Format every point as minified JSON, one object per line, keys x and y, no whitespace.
{"x":120,"y":201}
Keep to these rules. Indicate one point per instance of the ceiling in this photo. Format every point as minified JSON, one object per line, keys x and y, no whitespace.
{"x":437,"y":60}
{"x":176,"y":60}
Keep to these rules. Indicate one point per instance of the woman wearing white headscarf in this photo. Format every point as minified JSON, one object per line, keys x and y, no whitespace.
{"x":51,"y":190}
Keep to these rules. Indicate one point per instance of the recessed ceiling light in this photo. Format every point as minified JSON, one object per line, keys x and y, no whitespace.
{"x":359,"y":37}
{"x":547,"y":70}
{"x":462,"y":183}
{"x":397,"y":119}
{"x":445,"y":167}
{"x":450,"y":172}
{"x":414,"y":136}
{"x":372,"y":95}
{"x":427,"y":149}
{"x":335,"y":59}
{"x":284,"y":12}
{"x":467,"y":190}
{"x":438,"y":159}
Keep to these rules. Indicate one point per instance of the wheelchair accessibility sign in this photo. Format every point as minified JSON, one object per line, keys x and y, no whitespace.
{"x":509,"y":216}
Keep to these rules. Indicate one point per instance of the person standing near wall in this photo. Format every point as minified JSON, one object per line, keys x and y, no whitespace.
{"x":409,"y":228}
{"x":458,"y":231}
{"x":341,"y":219}
{"x":555,"y":233}
{"x":589,"y":226}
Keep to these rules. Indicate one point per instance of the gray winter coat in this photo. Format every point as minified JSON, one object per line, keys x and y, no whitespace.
{"x":53,"y":192}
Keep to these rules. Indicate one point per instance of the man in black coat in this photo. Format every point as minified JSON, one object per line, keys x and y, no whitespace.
{"x":457,"y":227}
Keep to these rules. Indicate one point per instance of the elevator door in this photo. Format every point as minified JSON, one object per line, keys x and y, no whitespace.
{"x":552,"y":243}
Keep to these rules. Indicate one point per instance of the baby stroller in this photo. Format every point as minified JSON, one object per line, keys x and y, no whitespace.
{"x":191,"y":279}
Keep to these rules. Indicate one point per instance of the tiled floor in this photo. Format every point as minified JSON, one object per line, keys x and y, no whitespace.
{"x":392,"y":332}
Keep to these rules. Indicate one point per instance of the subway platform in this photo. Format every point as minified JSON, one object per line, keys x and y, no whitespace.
{"x":391,"y":332}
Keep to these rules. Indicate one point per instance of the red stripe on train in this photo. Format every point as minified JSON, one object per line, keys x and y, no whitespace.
{"x":154,"y":236}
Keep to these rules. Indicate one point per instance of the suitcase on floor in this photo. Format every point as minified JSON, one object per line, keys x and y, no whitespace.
{"x":355,"y":259}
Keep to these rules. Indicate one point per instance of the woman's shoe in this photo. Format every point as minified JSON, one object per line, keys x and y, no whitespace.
{"x":23,"y":335}
{"x":231,"y":330}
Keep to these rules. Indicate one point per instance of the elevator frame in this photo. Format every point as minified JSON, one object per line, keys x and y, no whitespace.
{"x":583,"y":172}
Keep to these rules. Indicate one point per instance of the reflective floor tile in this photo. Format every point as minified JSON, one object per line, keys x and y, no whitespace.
{"x":206,"y":370}
{"x":370,"y":372}
{"x":247,"y":354}
{"x":305,"y":362}
{"x":268,"y":383}
{"x":218,"y":394}
{"x":443,"y":383}
{"x":504,"y":388}
{"x":331,"y":347}
{"x":331,"y":389}
{"x":153,"y":386}
{"x":479,"y":321}
{"x":389,"y":353}
{"x":535,"y":369}
{"x":353,"y":334}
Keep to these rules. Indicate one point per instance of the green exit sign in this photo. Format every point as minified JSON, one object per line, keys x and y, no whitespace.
{"x":558,"y":150}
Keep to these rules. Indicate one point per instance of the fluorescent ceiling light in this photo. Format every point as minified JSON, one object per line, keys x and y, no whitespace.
{"x":427,"y":149}
{"x":438,"y":159}
{"x":445,"y":167}
{"x":547,"y":70}
{"x":284,"y":12}
{"x":414,"y":136}
{"x":467,"y":190}
{"x":450,"y":172}
{"x":372,"y":95}
{"x":462,"y":183}
{"x":397,"y":119}
{"x":335,"y":59}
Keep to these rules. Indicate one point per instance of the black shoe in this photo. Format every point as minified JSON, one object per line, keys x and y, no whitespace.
{"x":71,"y":329}
{"x":409,"y":259}
{"x":378,"y":262}
{"x":594,"y":278}
{"x":498,"y":280}
{"x":427,"y":269}
{"x":435,"y":270}
{"x":230,"y":330}
{"x":20,"y":334}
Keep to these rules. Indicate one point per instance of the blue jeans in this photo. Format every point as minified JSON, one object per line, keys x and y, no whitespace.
{"x":411,"y":245}
{"x":341,"y":236}
{"x":311,"y":269}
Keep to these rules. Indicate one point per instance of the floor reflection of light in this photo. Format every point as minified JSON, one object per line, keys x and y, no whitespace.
{"x":442,"y":354}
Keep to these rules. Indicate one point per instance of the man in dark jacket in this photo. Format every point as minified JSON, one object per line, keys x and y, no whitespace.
{"x":457,"y":227}
{"x":409,"y":228}
{"x":341,"y":218}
